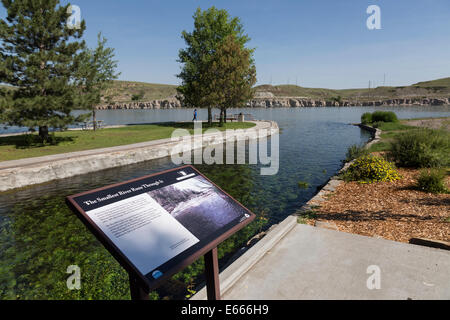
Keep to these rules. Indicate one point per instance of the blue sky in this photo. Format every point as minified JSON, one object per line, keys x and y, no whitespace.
{"x":314,"y":43}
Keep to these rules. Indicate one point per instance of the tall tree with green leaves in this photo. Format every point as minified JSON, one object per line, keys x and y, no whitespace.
{"x":39,"y":56}
{"x":96,"y":74}
{"x":211,"y":27}
{"x":232,"y":75}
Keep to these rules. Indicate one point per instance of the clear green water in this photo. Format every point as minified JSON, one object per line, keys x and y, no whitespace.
{"x":40,"y":237}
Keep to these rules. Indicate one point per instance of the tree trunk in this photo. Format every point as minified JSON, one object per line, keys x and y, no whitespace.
{"x":43,"y":133}
{"x":94,"y":119}
{"x":225,"y":115}
{"x":221,"y":118}
{"x":210,"y":116}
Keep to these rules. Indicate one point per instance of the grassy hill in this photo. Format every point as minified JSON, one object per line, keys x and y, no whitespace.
{"x":434,"y":88}
{"x":127,"y":91}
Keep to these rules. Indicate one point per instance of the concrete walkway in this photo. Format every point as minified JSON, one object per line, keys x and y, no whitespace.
{"x":24,"y":172}
{"x":315,"y":263}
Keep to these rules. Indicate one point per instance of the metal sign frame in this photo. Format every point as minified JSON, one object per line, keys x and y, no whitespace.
{"x":141,"y":284}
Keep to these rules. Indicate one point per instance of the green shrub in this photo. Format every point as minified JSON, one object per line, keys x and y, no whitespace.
{"x":422,"y":148}
{"x":377,"y":124}
{"x":384,"y":116}
{"x":355,"y":151}
{"x":366,"y":118}
{"x":432,"y":180}
{"x":370,"y":168}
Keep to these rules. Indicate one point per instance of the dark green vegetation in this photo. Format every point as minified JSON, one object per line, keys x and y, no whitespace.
{"x":48,"y":67}
{"x":432,"y":180}
{"x":232,"y":75}
{"x":384,"y":116}
{"x":59,"y":240}
{"x":218,"y":69}
{"x":40,"y":241}
{"x":41,"y":57}
{"x":366,"y":118}
{"x":355,"y":151}
{"x":421,"y":148}
{"x":30,"y":145}
{"x":434,"y":88}
{"x":379,"y":117}
{"x":95,"y":75}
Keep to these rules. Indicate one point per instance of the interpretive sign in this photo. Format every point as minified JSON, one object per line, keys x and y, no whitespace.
{"x":158,"y":224}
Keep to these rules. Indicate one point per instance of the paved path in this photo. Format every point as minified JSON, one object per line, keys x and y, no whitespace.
{"x":71,"y":155}
{"x":315,"y":263}
{"x":24,"y":172}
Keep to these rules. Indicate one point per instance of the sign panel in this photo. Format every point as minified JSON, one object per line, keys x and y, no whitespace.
{"x":158,"y":224}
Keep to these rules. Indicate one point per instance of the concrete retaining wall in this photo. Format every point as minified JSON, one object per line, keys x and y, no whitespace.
{"x":25,"y":172}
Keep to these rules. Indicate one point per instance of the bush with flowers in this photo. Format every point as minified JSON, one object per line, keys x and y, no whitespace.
{"x":370,"y":168}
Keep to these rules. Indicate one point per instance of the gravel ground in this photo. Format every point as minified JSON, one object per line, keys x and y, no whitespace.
{"x":395,"y":210}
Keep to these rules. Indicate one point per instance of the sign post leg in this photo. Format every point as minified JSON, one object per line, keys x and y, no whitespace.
{"x":137,"y":293}
{"x":212,"y":275}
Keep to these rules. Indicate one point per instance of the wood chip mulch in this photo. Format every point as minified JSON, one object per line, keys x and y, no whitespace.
{"x":395,"y":210}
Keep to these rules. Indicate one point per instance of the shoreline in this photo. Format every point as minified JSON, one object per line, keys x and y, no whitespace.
{"x":334,"y":181}
{"x":287,"y":102}
{"x":396,"y":211}
{"x":31,"y":171}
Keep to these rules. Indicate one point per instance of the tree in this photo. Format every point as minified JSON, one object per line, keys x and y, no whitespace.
{"x":211,"y":27}
{"x":96,"y":73}
{"x":39,"y":56}
{"x":232,"y":75}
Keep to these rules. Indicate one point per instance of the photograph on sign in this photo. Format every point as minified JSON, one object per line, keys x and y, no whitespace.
{"x":198,"y":205}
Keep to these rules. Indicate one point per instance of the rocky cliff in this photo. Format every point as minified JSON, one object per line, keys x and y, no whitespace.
{"x":288,"y":102}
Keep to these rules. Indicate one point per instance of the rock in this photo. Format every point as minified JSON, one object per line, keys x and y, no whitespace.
{"x":273,"y":102}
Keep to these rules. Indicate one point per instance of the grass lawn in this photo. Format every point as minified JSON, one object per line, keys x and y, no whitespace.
{"x":28,"y":146}
{"x":390,"y":130}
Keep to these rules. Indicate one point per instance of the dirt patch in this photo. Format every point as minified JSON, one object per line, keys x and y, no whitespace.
{"x":443,"y":123}
{"x":395,"y":210}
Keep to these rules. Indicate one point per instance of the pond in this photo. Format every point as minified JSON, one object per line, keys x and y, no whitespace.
{"x":40,"y":237}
